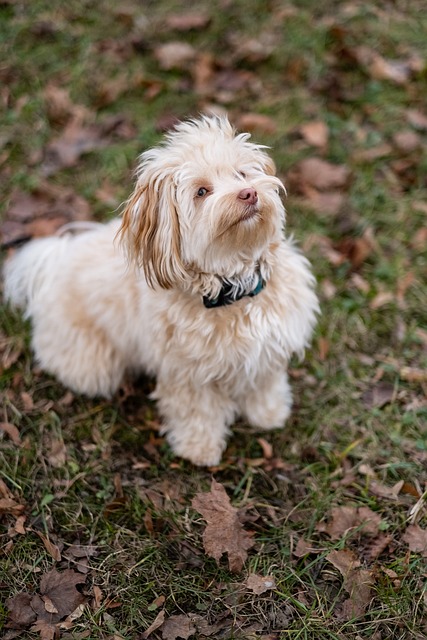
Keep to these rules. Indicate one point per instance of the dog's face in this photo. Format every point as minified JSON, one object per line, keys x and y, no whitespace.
{"x":206,"y":200}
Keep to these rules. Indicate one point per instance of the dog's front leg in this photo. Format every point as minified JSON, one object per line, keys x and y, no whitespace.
{"x":268,"y":405}
{"x":195,"y":419}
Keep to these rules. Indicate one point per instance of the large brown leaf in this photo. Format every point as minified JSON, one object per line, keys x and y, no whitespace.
{"x":357,"y":582}
{"x":224,"y":532}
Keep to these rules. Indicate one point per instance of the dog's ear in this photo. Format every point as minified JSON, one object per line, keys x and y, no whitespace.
{"x":150,"y":230}
{"x":266,"y":162}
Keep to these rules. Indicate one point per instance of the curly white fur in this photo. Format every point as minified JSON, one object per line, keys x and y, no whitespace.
{"x":189,"y":226}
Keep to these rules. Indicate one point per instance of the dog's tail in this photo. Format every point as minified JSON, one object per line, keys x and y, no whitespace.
{"x":30,"y":269}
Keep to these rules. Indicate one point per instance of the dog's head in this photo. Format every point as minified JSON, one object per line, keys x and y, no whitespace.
{"x":205,"y":200}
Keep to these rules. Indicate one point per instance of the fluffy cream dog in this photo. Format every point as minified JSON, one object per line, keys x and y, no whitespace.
{"x":195,"y":284}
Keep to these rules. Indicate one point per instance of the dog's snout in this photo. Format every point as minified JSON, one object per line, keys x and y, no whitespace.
{"x":249,"y":195}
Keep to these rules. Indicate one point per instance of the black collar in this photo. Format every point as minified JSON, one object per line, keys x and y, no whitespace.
{"x":228,"y":295}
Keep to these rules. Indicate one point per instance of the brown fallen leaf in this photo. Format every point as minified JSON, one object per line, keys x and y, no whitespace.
{"x":417,"y":119}
{"x":57,"y":455}
{"x":357,"y":582}
{"x":267,"y":448}
{"x":416,"y":539}
{"x":379,"y":394}
{"x":10,"y":506}
{"x":398,"y":71}
{"x":178,"y":627}
{"x":330,"y":202}
{"x":188,"y":21}
{"x":75,"y":140}
{"x":260,"y":584}
{"x":12,"y":431}
{"x":413,"y":374}
{"x":157,"y":622}
{"x":373,"y":153}
{"x":303,"y":548}
{"x":61,"y":590}
{"x":224,"y":532}
{"x":256,"y":122}
{"x":175,"y":55}
{"x":321,"y":175}
{"x":46,"y":630}
{"x":406,"y":141}
{"x":384,"y":491}
{"x":344,"y":519}
{"x":51,"y":548}
{"x":381,"y":299}
{"x":315,"y":133}
{"x":21,"y":615}
{"x":59,"y":106}
{"x":357,"y":249}
{"x":377,"y":546}
{"x":41,"y":212}
{"x":19,"y":527}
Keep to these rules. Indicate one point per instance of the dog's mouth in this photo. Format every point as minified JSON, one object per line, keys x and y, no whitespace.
{"x":250,"y":211}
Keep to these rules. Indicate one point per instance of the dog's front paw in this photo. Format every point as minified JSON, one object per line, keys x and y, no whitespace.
{"x":202,"y":454}
{"x":208,"y":456}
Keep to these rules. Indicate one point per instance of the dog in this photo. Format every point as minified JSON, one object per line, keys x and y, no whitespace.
{"x":194,"y":284}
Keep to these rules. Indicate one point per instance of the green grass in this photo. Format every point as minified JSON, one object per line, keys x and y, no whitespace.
{"x":149,"y":543}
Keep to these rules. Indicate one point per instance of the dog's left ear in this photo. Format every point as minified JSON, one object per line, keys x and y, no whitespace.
{"x":266,"y":162}
{"x":150,"y":230}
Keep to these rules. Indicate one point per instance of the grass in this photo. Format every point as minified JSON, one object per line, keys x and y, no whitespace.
{"x":149,"y":541}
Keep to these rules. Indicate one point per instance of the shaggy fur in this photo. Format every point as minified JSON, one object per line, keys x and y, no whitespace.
{"x":128,"y":295}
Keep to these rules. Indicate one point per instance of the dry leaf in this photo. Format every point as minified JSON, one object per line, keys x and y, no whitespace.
{"x":322,"y":175}
{"x":406,"y":141}
{"x":396,"y":71}
{"x":344,"y":519}
{"x":303,"y":548}
{"x":61,"y":590}
{"x":315,"y":133}
{"x":11,"y":431}
{"x":50,"y":547}
{"x":357,"y":249}
{"x":46,"y":630}
{"x":381,"y":299}
{"x":378,"y":395}
{"x":373,"y":153}
{"x":41,"y":212}
{"x":10,"y":506}
{"x":188,"y":21}
{"x":330,"y":202}
{"x":377,"y":546}
{"x":413,"y":374}
{"x":75,"y":140}
{"x":416,"y":538}
{"x":178,"y":627}
{"x":57,"y":455}
{"x":383,"y":491}
{"x":21,"y":615}
{"x":257,"y":122}
{"x":224,"y":532}
{"x":158,"y":621}
{"x":357,"y":582}
{"x":59,"y":106}
{"x":417,"y":119}
{"x":267,"y":448}
{"x":260,"y":584}
{"x":175,"y":55}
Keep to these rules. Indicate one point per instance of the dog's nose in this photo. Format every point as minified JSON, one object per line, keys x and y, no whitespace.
{"x":249,"y":196}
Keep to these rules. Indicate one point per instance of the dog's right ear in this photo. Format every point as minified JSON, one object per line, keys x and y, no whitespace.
{"x":150,"y":230}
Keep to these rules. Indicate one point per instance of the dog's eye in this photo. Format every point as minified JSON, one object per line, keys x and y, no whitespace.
{"x":202,"y":192}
